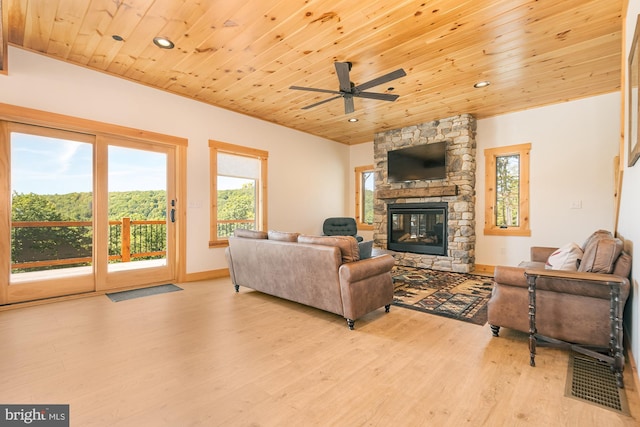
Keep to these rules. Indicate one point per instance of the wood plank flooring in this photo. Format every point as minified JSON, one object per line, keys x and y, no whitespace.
{"x":206,"y":356}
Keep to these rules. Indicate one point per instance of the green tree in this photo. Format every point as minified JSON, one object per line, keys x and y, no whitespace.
{"x":44,"y":243}
{"x":236,"y":204}
{"x":49,"y":243}
{"x":368,"y":206}
{"x":507,"y":190}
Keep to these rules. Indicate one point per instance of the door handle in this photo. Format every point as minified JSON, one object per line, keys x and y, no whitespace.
{"x":172,"y":213}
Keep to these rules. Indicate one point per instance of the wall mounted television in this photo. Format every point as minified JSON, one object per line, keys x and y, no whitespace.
{"x":419,"y":162}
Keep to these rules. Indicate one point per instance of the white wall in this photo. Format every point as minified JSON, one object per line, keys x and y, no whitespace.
{"x":628,"y":223}
{"x":573,"y":146}
{"x":307,"y":174}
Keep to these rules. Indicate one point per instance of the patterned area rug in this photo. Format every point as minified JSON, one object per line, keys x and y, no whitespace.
{"x":456,"y":295}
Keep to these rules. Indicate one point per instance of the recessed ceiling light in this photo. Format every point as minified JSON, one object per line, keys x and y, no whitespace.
{"x":483,"y":83}
{"x":353,"y":120}
{"x":117,"y":38}
{"x":163,"y":43}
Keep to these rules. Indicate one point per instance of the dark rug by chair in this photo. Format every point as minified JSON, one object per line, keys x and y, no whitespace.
{"x":144,"y":292}
{"x":459,"y":296}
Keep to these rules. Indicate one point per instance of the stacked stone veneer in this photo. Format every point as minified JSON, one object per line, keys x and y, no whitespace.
{"x":459,"y":134}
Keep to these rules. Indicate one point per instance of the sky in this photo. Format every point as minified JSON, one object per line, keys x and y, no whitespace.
{"x":44,"y":165}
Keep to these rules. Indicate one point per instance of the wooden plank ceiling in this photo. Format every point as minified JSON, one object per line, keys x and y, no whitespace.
{"x":244,"y":55}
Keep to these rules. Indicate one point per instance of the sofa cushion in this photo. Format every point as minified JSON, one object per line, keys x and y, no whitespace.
{"x":595,"y":236}
{"x":565,"y":258}
{"x":600,"y":254}
{"x":249,"y":234}
{"x":348,"y":245}
{"x":283,"y":236}
{"x":623,"y":265}
{"x":532,"y":265}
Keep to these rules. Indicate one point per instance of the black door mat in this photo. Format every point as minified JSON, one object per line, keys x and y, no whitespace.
{"x":593,"y":381}
{"x":139,"y":293}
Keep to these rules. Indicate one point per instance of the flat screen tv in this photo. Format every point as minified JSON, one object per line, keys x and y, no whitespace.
{"x":419,"y":162}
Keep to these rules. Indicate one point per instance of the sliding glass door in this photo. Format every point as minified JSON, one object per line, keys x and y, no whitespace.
{"x":84,"y":213}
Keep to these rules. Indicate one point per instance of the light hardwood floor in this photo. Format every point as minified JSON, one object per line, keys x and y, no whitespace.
{"x":208,"y":356}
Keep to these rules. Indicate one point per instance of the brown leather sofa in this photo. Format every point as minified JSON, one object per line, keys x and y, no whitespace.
{"x":576,"y":310}
{"x":573,"y":308}
{"x":320,"y":271}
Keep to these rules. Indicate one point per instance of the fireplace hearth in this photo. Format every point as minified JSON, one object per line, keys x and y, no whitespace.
{"x":419,"y":228}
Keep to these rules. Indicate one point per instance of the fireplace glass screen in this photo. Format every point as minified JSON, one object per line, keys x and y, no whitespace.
{"x":419,"y":228}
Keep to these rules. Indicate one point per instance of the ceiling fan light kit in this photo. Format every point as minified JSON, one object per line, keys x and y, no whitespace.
{"x":348,"y":90}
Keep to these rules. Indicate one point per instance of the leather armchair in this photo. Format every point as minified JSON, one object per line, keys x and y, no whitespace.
{"x":341,"y":226}
{"x":581,"y":310}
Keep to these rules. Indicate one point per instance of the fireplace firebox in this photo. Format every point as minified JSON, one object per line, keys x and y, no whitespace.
{"x":417,"y":227}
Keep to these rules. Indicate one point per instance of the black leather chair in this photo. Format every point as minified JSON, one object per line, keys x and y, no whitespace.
{"x":341,"y":226}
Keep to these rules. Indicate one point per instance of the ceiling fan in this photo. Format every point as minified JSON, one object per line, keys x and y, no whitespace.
{"x":348,"y":90}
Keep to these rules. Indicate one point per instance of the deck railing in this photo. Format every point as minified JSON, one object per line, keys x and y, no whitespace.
{"x":128,"y":240}
{"x":227,"y":226}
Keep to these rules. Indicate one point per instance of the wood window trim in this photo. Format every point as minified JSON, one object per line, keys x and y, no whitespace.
{"x":490,"y":155}
{"x":216,"y":147}
{"x":4,"y":37}
{"x":359,"y":192}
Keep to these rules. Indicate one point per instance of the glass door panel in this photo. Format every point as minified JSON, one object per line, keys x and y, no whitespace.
{"x":139,"y":214}
{"x":51,"y":193}
{"x":51,"y":233}
{"x":137,"y":208}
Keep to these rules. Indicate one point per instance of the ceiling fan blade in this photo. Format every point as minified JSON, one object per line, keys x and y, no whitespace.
{"x":313,"y":89}
{"x":382,"y":79}
{"x":342,"y":70}
{"x":379,"y":96}
{"x":348,"y":105}
{"x":321,"y":102}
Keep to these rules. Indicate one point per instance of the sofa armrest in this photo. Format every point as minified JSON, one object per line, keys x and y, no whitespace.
{"x":513,"y":276}
{"x":359,"y":270}
{"x":541,"y":253}
{"x":595,"y":285}
{"x":366,"y":285}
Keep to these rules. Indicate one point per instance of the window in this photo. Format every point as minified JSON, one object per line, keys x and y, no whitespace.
{"x":507,"y":190}
{"x":364,"y":197}
{"x":238,"y":190}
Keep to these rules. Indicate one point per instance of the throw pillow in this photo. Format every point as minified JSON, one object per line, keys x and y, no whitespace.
{"x":249,"y":234}
{"x":599,"y":234}
{"x":348,"y":245}
{"x":283,"y":236}
{"x":566,"y":258}
{"x":601,"y":254}
{"x":366,"y":248}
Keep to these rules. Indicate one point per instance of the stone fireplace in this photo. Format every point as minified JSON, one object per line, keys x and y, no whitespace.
{"x":402,"y":225}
